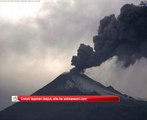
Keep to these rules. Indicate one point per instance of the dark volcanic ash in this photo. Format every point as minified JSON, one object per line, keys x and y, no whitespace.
{"x":124,"y":37}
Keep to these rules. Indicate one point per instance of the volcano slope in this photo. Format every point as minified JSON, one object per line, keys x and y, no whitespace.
{"x":77,"y":84}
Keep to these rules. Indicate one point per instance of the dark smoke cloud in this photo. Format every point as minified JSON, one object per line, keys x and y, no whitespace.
{"x":86,"y":57}
{"x":124,"y":37}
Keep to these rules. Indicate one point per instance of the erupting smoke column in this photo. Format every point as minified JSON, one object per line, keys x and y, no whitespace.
{"x":124,"y":37}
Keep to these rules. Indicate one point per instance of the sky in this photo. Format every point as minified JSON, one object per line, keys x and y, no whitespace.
{"x":38,"y":40}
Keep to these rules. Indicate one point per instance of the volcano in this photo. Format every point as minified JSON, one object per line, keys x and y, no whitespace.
{"x":77,"y":84}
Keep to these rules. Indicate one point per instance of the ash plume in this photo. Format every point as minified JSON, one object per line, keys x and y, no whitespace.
{"x":124,"y":37}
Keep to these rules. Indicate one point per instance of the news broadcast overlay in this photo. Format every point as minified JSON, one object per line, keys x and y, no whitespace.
{"x":65,"y":99}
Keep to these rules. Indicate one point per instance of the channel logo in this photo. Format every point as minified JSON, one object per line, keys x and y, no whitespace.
{"x":14,"y":99}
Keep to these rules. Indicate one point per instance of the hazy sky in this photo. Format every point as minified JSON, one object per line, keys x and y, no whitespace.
{"x":37,"y":40}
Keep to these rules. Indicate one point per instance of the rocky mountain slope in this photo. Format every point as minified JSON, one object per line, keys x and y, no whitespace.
{"x":77,"y":84}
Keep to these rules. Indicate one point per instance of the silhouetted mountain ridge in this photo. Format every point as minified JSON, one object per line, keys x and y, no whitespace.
{"x":77,"y":84}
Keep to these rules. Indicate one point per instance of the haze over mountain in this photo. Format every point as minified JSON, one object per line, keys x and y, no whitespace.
{"x":123,"y":37}
{"x":32,"y":46}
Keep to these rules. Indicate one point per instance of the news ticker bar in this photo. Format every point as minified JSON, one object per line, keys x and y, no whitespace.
{"x":65,"y":99}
